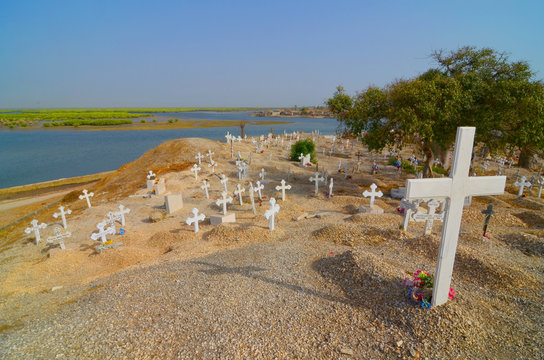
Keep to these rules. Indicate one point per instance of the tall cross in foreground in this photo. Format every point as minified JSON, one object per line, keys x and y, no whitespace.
{"x":455,"y":188}
{"x":270,"y":213}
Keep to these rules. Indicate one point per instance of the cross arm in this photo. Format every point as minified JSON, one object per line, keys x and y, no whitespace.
{"x":428,"y":188}
{"x":486,"y":185}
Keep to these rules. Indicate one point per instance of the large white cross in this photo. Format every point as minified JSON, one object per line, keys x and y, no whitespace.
{"x":373,"y":194}
{"x":199,"y":158}
{"x":59,"y":237}
{"x":205,"y":185}
{"x":195,"y":169}
{"x":210,"y":154}
{"x":195,"y":219}
{"x":282,"y":188}
{"x":239,"y":192}
{"x":224,"y":181}
{"x":258,"y":189}
{"x":252,"y":198}
{"x":86,"y":196}
{"x":522,"y":183}
{"x":120,"y":215}
{"x":456,"y":187}
{"x":223,"y":201}
{"x":269,"y":214}
{"x":62,"y":215}
{"x":101,"y":234}
{"x":36,"y":228}
{"x":429,"y":217}
{"x":317,"y":179}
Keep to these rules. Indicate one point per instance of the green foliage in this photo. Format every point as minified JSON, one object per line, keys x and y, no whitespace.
{"x":171,"y":121}
{"x":142,"y":121}
{"x":439,"y":170}
{"x":305,"y":147}
{"x":46,"y":124}
{"x":154,"y":120}
{"x":23,"y":123}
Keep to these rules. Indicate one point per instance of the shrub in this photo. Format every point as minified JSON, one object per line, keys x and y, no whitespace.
{"x":46,"y":124}
{"x":23,"y":123}
{"x":142,"y":121}
{"x":170,"y":121}
{"x":154,"y":120}
{"x":305,"y":147}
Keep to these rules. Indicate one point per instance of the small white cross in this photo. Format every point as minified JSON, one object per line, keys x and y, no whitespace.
{"x":86,"y":196}
{"x":239,"y":192}
{"x":223,"y":202}
{"x":101,"y":234}
{"x":270,"y":213}
{"x":224,"y":181}
{"x":373,"y":194}
{"x":282,"y":188}
{"x":62,"y":215}
{"x":205,"y":185}
{"x":228,"y":137}
{"x":258,"y":189}
{"x":429,"y":217}
{"x":409,"y":208}
{"x":252,"y":198}
{"x":521,"y":184}
{"x":120,"y":215}
{"x":151,"y":175}
{"x":59,"y":237}
{"x":540,"y":183}
{"x":317,"y":179}
{"x":195,"y":169}
{"x":199,"y":158}
{"x":36,"y":228}
{"x":210,"y":154}
{"x":301,"y":157}
{"x":195,"y":219}
{"x":262,"y":174}
{"x":212,"y":164}
{"x":330,"y":187}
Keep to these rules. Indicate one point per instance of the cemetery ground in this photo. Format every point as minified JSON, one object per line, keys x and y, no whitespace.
{"x":320,"y":287}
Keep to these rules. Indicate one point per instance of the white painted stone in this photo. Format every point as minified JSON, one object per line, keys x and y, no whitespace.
{"x":270,"y":213}
{"x":205,"y":185}
{"x":239,"y":190}
{"x":316,"y":178}
{"x":149,"y":184}
{"x":456,"y":187}
{"x":223,"y":201}
{"x":173,"y":203}
{"x":195,"y":219}
{"x":282,"y":188}
{"x":374,"y":209}
{"x":59,"y":237}
{"x":221,"y":219}
{"x":373,"y":193}
{"x":36,"y":229}
{"x":86,"y":196}
{"x":102,"y":232}
{"x":62,"y":215}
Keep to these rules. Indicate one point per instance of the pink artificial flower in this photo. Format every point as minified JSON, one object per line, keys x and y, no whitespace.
{"x":451,"y":294}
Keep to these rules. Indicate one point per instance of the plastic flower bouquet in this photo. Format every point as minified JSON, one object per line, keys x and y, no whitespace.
{"x":421,"y":288}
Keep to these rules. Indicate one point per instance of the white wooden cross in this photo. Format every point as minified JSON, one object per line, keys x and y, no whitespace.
{"x":429,"y":217}
{"x":120,"y":215}
{"x":223,"y":201}
{"x":301,"y":157}
{"x":59,"y":237}
{"x":86,"y":196}
{"x":224,"y":181}
{"x":252,"y":198}
{"x":228,"y":137}
{"x":36,"y":228}
{"x":210,"y":154}
{"x":262,"y":174}
{"x":205,"y":185}
{"x":151,"y":175}
{"x":195,"y":169}
{"x":330,"y":187}
{"x":540,"y":183}
{"x":258,"y":189}
{"x":373,"y":194}
{"x":521,"y":184}
{"x":282,"y":188}
{"x":270,"y":213}
{"x":317,"y":179}
{"x":212,"y":164}
{"x":239,"y":192}
{"x":62,"y":215}
{"x":195,"y":219}
{"x":455,"y":187}
{"x":101,"y":234}
{"x":199,"y":158}
{"x":409,"y":208}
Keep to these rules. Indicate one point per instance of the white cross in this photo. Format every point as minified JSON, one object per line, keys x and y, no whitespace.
{"x":212,"y":164}
{"x":429,"y":217}
{"x":205,"y":185}
{"x":485,"y":165}
{"x":239,"y":138}
{"x":373,"y":194}
{"x":151,"y":175}
{"x":195,"y":169}
{"x":258,"y":189}
{"x":252,"y":198}
{"x":199,"y":158}
{"x":540,"y":183}
{"x":301,"y":157}
{"x":455,"y":187}
{"x":86,"y":196}
{"x":62,"y":215}
{"x":317,"y":179}
{"x":239,"y":192}
{"x":262,"y":174}
{"x":270,"y":213}
{"x":195,"y":219}
{"x":223,"y":202}
{"x":282,"y":188}
{"x":224,"y":181}
{"x":228,"y":137}
{"x":409,"y":208}
{"x":330,"y":187}
{"x":101,"y":234}
{"x":210,"y":154}
{"x":59,"y":237}
{"x":120,"y":215}
{"x":521,"y":184}
{"x":36,"y":228}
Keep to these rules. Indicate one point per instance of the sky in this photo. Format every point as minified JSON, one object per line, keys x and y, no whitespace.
{"x":115,"y":53}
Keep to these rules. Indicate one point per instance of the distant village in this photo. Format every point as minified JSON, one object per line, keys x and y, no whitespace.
{"x":315,"y":112}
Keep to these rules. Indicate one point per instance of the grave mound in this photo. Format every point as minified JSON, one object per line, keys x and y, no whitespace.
{"x":226,"y":234}
{"x":354,"y":235}
{"x":529,"y":244}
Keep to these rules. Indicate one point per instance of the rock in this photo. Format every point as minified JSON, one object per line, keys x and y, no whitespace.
{"x":346,"y":351}
{"x":156,"y":216}
{"x":55,"y":288}
{"x":399,"y":343}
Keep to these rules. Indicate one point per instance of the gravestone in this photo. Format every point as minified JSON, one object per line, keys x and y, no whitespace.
{"x":59,"y":237}
{"x":36,"y":229}
{"x":540,"y":183}
{"x":522,"y":183}
{"x":173,"y":203}
{"x":262,"y":174}
{"x":103,"y":232}
{"x":270,"y":213}
{"x":258,"y":189}
{"x":429,"y":216}
{"x":488,"y":212}
{"x":282,"y":188}
{"x":224,"y":181}
{"x":160,"y":187}
{"x":212,"y":165}
{"x":205,"y":185}
{"x":150,"y":179}
{"x":252,"y":198}
{"x":374,"y":209}
{"x":238,"y":192}
{"x":209,"y":155}
{"x":455,"y":188}
{"x":409,"y":208}
{"x":316,"y":178}
{"x":195,"y":219}
{"x":224,"y":218}
{"x":195,"y":169}
{"x":199,"y":158}
{"x":86,"y":196}
{"x":120,"y":215}
{"x":330,"y":187}
{"x":62,"y":215}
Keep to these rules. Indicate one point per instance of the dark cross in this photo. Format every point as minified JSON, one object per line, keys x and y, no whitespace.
{"x":487,"y":214}
{"x":359,"y":154}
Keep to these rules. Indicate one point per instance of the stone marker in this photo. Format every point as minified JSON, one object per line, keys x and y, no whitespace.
{"x":521,"y":184}
{"x":270,"y":213}
{"x":429,"y":217}
{"x":199,"y":158}
{"x":59,"y":237}
{"x":373,"y":194}
{"x":173,"y":203}
{"x":195,"y":169}
{"x":331,"y":184}
{"x":258,"y":189}
{"x":195,"y":219}
{"x":86,"y":196}
{"x":455,"y":187}
{"x":252,"y":198}
{"x":488,"y":212}
{"x":205,"y":185}
{"x":159,"y":188}
{"x":239,"y":190}
{"x":62,"y":215}
{"x":316,"y":179}
{"x":102,"y":232}
{"x":224,"y":181}
{"x":36,"y":228}
{"x":282,"y":188}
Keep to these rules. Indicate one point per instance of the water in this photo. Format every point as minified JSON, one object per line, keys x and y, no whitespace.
{"x":40,"y":155}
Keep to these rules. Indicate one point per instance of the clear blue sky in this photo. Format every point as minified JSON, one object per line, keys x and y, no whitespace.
{"x":112,"y":53}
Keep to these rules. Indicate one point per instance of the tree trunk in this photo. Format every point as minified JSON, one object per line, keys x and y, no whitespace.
{"x":526,"y":156}
{"x":443,"y":155}
{"x":242,"y":129}
{"x":429,"y":159}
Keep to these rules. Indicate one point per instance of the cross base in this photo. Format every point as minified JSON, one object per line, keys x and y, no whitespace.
{"x":374,"y":209}
{"x":221,"y":219}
